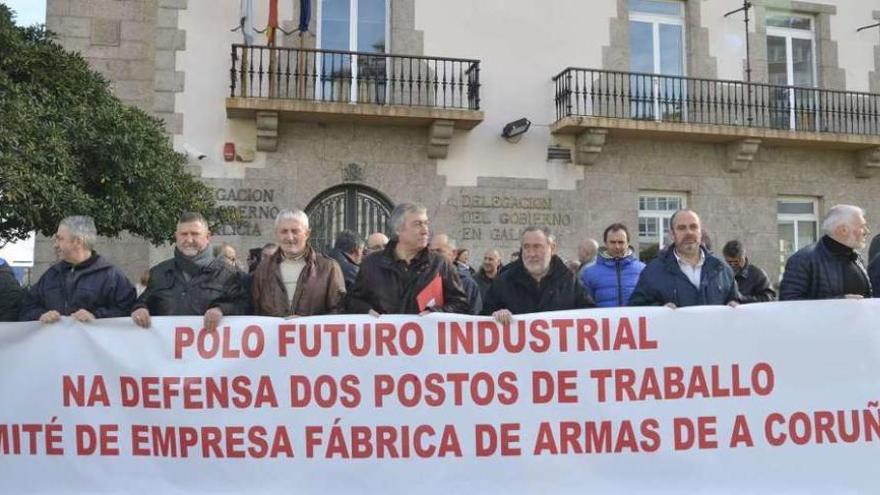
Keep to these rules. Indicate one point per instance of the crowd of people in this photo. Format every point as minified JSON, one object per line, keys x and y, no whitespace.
{"x":418,"y":271}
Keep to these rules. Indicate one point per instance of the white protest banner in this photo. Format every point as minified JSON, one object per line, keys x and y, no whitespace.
{"x":767,"y":398}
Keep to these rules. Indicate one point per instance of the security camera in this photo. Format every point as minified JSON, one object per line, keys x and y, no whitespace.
{"x":192,"y":152}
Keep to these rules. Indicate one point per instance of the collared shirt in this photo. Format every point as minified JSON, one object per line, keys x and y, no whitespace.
{"x":692,"y":272}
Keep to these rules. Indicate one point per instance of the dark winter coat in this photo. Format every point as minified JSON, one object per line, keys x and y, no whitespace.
{"x":814,"y":272}
{"x":387,"y":284}
{"x":663,"y":282}
{"x":471,"y":289}
{"x":93,"y":285}
{"x":611,"y":281}
{"x":484,"y":283}
{"x":10,"y":294}
{"x":349,"y":267}
{"x":754,"y":285}
{"x":216,"y":285}
{"x":516,"y":291}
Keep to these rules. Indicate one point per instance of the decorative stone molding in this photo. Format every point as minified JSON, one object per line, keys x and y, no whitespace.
{"x":867,"y":163}
{"x":740,"y":155}
{"x":588,"y":145}
{"x":439,"y":138}
{"x":267,"y":131}
{"x":829,"y":72}
{"x":353,"y":172}
{"x":700,"y":63}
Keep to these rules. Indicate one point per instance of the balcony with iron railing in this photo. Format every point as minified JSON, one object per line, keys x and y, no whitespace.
{"x":594,"y":103}
{"x":334,"y":85}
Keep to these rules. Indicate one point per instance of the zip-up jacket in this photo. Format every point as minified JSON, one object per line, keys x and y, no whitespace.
{"x":320,"y":288}
{"x":94,"y":285}
{"x":611,"y":281}
{"x":662,"y":282}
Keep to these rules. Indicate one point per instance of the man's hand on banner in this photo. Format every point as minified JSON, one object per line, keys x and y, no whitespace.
{"x":212,"y":318}
{"x":733,"y":304}
{"x":670,"y":305}
{"x":83,"y":316}
{"x":503,"y":316}
{"x":141,"y":317}
{"x":50,"y":316}
{"x":853,"y":296}
{"x":374,"y":313}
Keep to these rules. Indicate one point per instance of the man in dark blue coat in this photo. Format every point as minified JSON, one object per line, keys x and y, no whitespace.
{"x":685,"y":273}
{"x":831,"y":268}
{"x":82,"y":285}
{"x":348,"y":250}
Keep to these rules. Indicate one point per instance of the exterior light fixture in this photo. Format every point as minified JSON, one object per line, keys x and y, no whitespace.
{"x":515,"y":128}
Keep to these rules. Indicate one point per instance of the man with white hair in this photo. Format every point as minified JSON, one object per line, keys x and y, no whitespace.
{"x":406,"y":277}
{"x":832,"y":267}
{"x":83,"y":285}
{"x":193,"y":282}
{"x":296,"y":280}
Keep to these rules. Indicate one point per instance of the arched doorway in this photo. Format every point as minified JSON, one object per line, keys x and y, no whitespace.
{"x":348,"y":206}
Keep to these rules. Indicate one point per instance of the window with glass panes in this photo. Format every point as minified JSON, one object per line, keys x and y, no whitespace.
{"x":798,"y":222}
{"x":356,"y":26}
{"x":655,"y":210}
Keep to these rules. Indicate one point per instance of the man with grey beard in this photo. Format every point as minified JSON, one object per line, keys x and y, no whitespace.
{"x":541,"y":282}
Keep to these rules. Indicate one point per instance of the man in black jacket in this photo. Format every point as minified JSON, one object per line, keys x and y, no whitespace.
{"x":539,"y":282}
{"x":752,"y":281}
{"x":192,"y":282}
{"x":83,"y":285}
{"x":831,"y":267}
{"x":405,"y":277}
{"x":10,"y":293}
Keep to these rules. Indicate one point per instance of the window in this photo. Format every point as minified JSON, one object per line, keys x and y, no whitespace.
{"x":655,"y":210}
{"x":791,"y":62}
{"x":656,"y":45}
{"x":355,"y":26}
{"x":798,"y":225}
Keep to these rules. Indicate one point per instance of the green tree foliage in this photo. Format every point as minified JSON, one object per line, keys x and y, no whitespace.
{"x":68,"y":146}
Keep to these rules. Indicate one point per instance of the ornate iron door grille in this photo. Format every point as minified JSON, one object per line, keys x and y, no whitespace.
{"x":354,"y":207}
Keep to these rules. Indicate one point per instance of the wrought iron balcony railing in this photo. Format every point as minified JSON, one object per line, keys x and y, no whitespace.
{"x":629,"y":95}
{"x":354,"y":77}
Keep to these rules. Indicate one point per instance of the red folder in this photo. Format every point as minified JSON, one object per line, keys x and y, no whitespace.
{"x":432,"y":295}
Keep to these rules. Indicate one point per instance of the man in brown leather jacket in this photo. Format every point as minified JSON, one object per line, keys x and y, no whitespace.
{"x":296,"y":280}
{"x":405,"y":277}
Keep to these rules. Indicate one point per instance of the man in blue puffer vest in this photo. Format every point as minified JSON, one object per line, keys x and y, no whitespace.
{"x":613,"y":278}
{"x":685,"y":273}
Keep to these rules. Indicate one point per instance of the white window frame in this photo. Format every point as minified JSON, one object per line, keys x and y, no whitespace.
{"x":352,"y":43}
{"x":788,"y":34}
{"x":660,"y":215}
{"x":655,"y":20}
{"x":794,"y":218}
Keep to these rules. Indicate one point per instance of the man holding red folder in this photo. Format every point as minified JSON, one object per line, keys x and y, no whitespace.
{"x":405,"y":277}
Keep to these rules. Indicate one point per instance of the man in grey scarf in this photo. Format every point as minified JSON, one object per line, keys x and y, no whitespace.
{"x":193,"y":282}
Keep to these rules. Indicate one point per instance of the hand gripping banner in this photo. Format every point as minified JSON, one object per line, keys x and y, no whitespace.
{"x":765,"y":398}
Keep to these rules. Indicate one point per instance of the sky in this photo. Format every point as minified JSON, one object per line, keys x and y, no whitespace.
{"x":27,"y":12}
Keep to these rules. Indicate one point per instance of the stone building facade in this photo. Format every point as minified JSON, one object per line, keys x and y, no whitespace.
{"x":577,"y":169}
